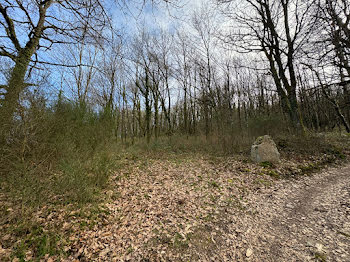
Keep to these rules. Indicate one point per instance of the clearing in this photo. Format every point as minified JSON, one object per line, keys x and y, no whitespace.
{"x":194,"y":207}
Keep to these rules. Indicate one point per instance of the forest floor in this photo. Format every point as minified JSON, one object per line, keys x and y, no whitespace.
{"x":302,"y":220}
{"x":195,"y":207}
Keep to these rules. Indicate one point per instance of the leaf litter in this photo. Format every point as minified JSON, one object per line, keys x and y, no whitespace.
{"x":178,"y":208}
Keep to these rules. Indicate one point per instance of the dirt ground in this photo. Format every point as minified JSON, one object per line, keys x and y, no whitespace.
{"x":205,"y":211}
{"x":302,"y":220}
{"x":202,"y":208}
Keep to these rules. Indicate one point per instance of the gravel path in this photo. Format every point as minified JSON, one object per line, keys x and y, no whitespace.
{"x":304,"y":219}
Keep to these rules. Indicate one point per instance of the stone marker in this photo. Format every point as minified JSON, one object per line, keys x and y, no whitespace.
{"x":264,"y":149}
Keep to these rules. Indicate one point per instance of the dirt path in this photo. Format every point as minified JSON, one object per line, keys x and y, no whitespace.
{"x":307,"y":219}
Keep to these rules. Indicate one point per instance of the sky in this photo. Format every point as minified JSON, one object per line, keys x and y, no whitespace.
{"x":128,"y":19}
{"x":135,"y":16}
{"x":152,"y":16}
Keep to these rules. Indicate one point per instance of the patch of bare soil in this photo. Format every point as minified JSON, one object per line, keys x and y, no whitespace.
{"x":302,"y":220}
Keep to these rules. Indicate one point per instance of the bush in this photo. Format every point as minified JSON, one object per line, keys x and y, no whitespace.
{"x":56,"y":151}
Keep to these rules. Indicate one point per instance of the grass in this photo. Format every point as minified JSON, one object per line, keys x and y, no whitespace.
{"x":60,"y":159}
{"x":35,"y":237}
{"x":321,"y":257}
{"x":214,"y":184}
{"x":41,"y":232}
{"x":179,"y":242}
{"x":31,"y":237}
{"x":199,"y":238}
{"x":33,"y":194}
{"x":266,"y":164}
{"x":74,"y":181}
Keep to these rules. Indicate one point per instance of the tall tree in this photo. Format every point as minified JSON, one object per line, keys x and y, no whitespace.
{"x":45,"y":23}
{"x":278,"y":29}
{"x":329,"y":61}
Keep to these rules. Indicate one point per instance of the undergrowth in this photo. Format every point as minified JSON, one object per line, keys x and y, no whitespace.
{"x":55,"y":157}
{"x":64,"y":156}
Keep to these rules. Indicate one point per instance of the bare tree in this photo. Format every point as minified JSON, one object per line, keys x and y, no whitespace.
{"x":278,"y":29}
{"x":160,"y":53}
{"x":330,"y":62}
{"x":203,"y":21}
{"x":80,"y":78}
{"x":183,"y":69}
{"x":45,"y":23}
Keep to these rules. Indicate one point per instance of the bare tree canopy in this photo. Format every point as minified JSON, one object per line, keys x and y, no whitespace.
{"x":33,"y":25}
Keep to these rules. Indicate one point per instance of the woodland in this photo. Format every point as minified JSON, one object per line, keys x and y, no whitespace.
{"x":91,"y":91}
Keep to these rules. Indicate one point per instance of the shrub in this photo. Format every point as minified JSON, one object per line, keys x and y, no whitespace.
{"x":56,"y":151}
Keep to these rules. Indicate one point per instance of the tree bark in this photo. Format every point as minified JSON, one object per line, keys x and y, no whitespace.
{"x":14,"y":88}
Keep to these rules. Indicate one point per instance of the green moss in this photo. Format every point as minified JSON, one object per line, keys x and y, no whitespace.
{"x":270,"y":172}
{"x":129,"y":250}
{"x":214,"y":184}
{"x":308,"y":168}
{"x":321,"y":257}
{"x":263,"y":182}
{"x":180,"y":242}
{"x":266,"y":164}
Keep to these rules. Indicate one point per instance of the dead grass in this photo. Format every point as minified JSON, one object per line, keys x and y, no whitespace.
{"x":166,"y":200}
{"x":177,"y":208}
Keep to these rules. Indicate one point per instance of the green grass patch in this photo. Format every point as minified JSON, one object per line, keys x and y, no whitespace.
{"x":321,"y":257}
{"x":266,"y":164}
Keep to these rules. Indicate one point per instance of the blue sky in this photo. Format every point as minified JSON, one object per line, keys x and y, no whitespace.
{"x":130,"y":18}
{"x":154,"y":16}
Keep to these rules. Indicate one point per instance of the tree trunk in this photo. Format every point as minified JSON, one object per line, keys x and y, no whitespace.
{"x":156,"y":118}
{"x":14,"y":88}
{"x":185,"y":114}
{"x":148,"y":116}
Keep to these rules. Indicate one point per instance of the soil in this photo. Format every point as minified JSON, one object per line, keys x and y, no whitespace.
{"x":306,"y":219}
{"x":301,"y":219}
{"x":206,"y":209}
